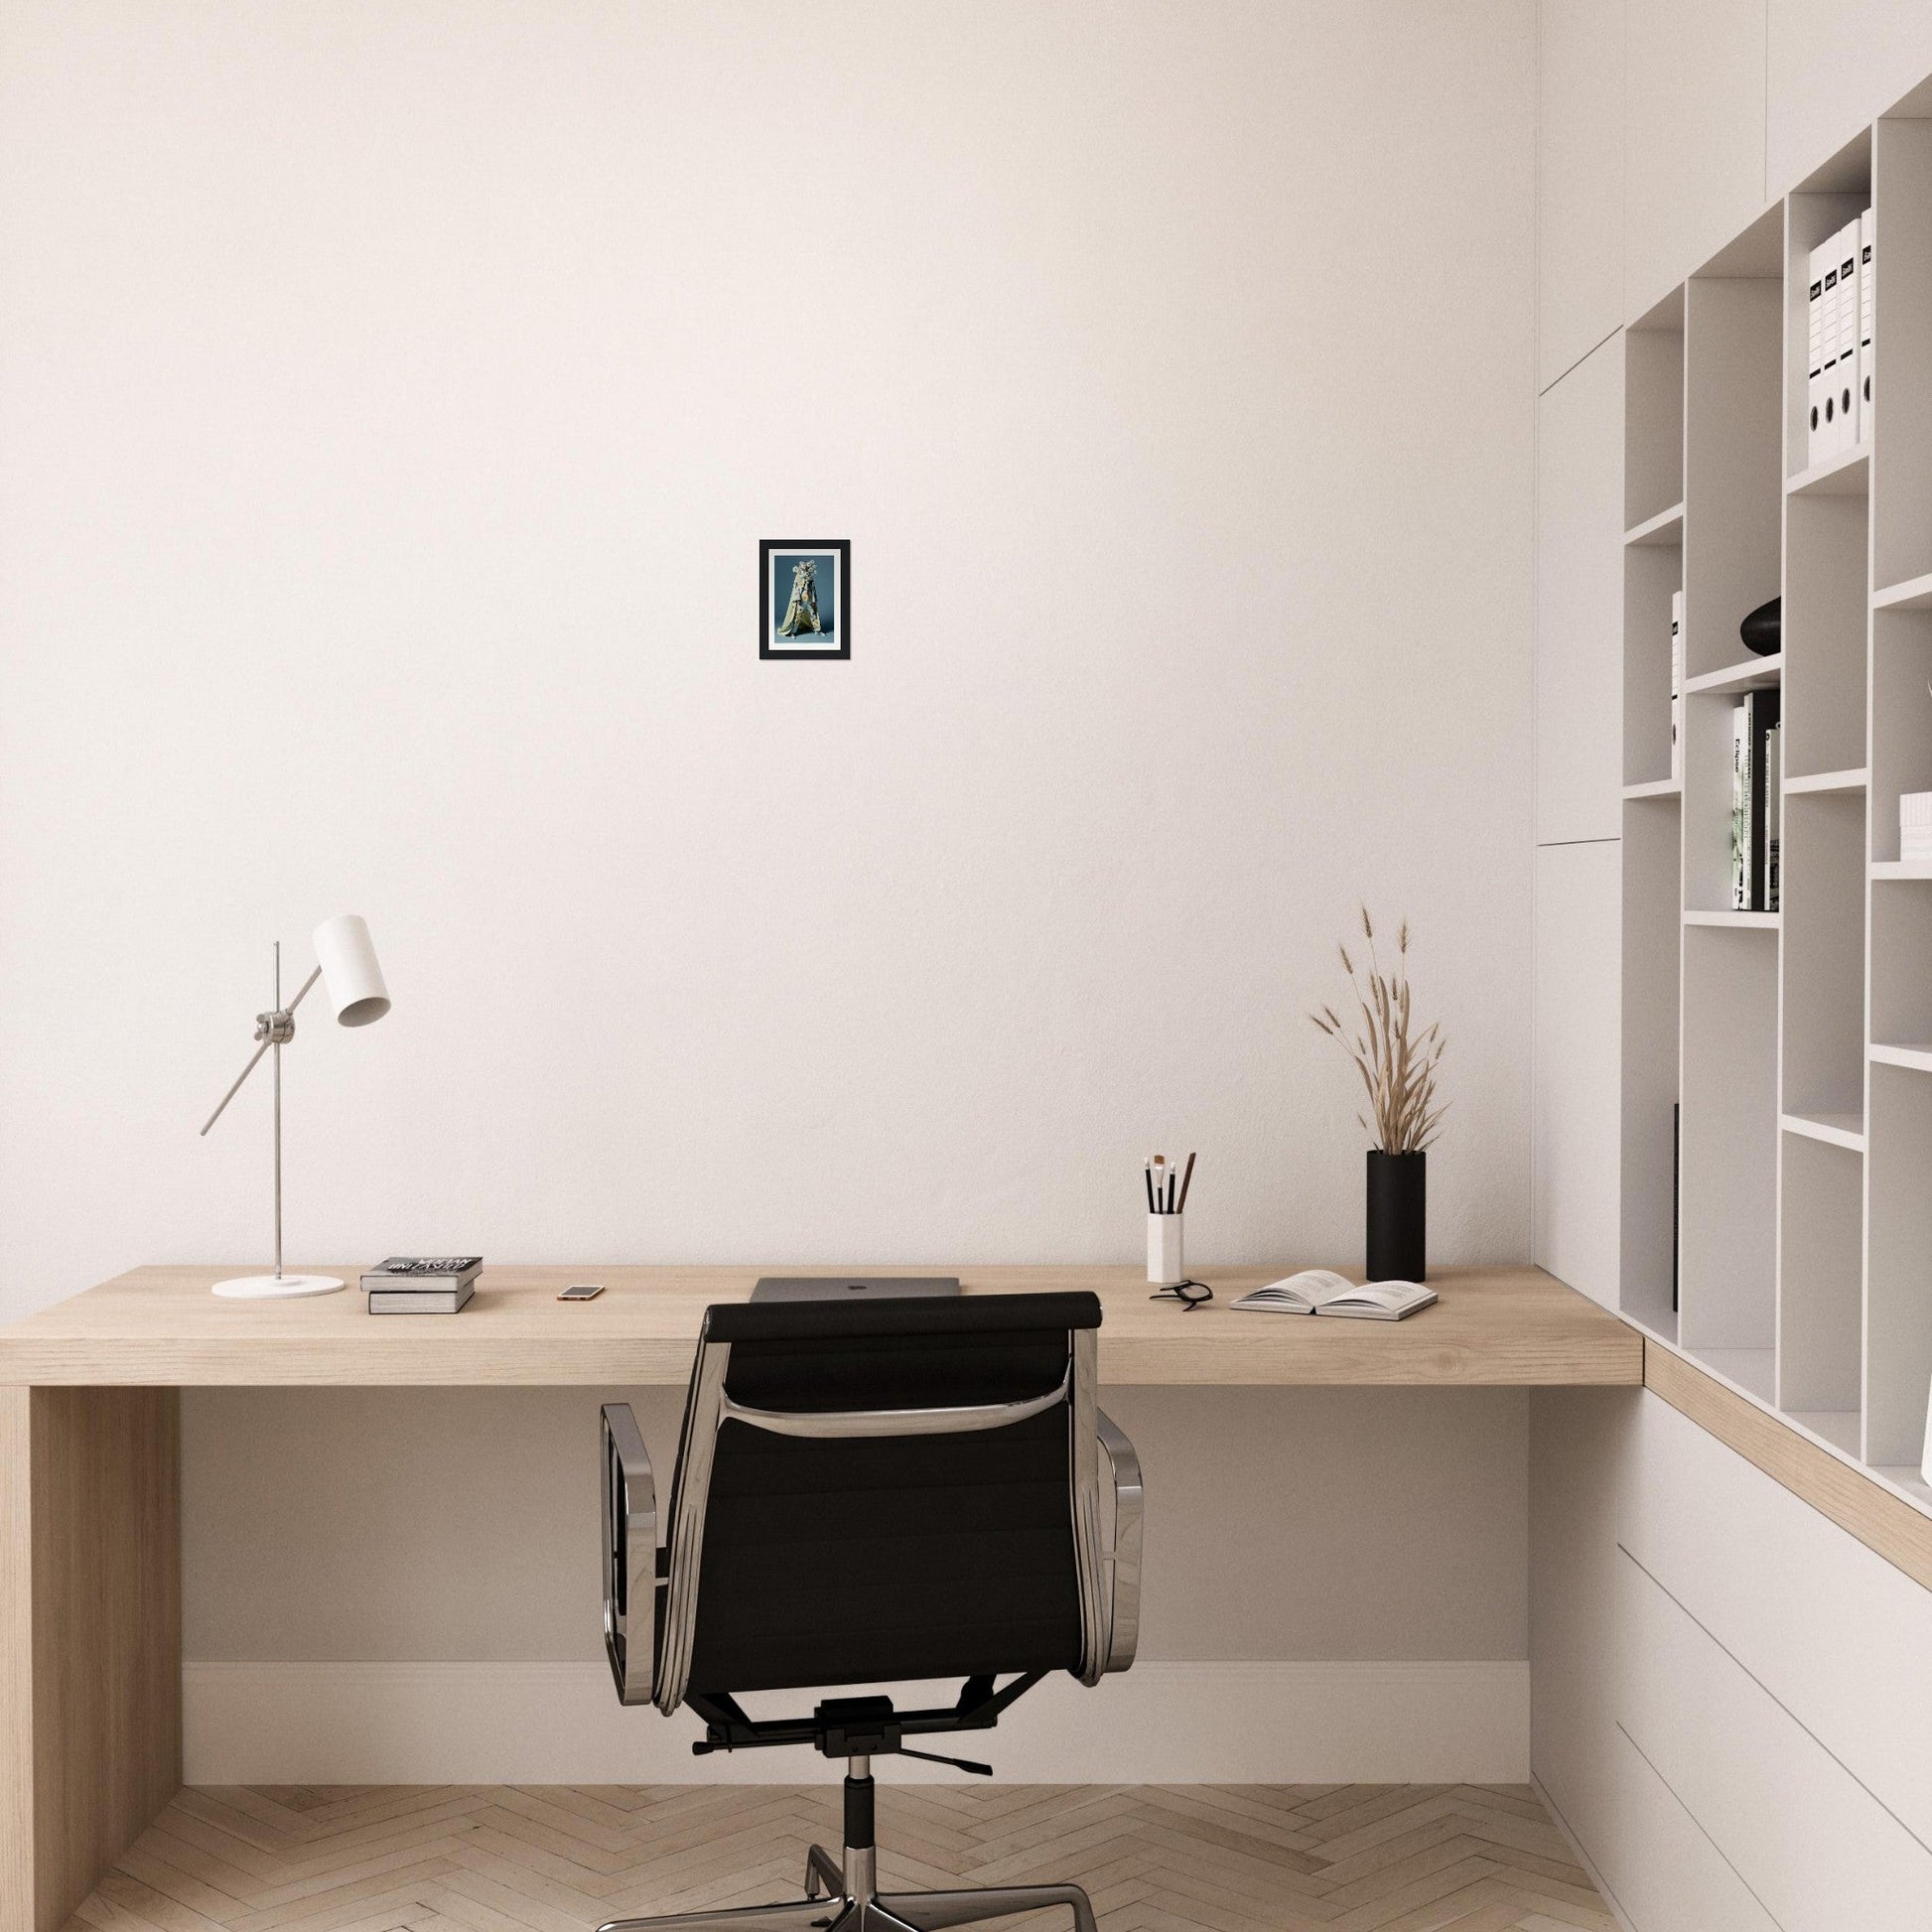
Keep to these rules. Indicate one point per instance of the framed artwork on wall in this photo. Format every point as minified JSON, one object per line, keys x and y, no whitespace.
{"x":805,"y":596}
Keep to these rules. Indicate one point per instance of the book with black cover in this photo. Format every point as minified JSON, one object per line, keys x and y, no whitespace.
{"x":1676,"y":1193}
{"x":416,"y":1274}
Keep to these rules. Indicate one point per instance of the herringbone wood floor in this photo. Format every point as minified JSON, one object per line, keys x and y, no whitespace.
{"x":559,"y":1858}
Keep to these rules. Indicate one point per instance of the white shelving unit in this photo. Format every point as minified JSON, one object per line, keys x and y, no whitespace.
{"x":1797,"y":1044}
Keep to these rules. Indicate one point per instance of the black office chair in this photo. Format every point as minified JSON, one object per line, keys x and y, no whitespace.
{"x":866,"y":1494}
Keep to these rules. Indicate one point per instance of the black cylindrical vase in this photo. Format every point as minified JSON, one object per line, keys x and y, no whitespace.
{"x":1398,"y":1215}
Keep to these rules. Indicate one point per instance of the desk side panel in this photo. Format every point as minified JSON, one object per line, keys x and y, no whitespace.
{"x":103,"y":1546}
{"x":16,"y":1664}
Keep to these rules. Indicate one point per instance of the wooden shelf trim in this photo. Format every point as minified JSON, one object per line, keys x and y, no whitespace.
{"x":1857,"y":1503}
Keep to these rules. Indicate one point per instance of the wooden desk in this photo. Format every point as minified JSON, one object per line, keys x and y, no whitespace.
{"x":161,"y":1327}
{"x":90,"y":1461}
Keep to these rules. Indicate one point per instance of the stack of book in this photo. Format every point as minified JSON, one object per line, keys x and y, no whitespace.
{"x":1754,"y":803}
{"x":421,"y":1284}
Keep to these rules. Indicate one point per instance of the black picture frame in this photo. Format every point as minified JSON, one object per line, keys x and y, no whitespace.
{"x":840,"y":649}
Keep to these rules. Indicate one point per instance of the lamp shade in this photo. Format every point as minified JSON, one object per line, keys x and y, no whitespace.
{"x":350,"y":975}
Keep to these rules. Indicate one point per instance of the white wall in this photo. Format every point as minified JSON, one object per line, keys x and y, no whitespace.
{"x":391,"y":400}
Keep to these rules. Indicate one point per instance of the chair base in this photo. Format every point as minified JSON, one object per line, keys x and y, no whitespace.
{"x":848,"y":1904}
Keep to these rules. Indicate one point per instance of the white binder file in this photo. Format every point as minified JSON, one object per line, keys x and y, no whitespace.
{"x":1828,"y":430}
{"x":1846,"y":390}
{"x":1867,"y":299}
{"x":1815,"y":356}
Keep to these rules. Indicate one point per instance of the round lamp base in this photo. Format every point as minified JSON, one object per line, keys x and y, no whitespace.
{"x":275,"y":1287}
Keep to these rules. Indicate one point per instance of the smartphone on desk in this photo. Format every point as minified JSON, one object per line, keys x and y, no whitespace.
{"x":582,"y":1292}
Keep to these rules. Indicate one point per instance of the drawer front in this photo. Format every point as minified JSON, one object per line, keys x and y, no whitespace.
{"x":1833,"y":1632}
{"x":1810,"y":1842}
{"x":1666,"y":1874}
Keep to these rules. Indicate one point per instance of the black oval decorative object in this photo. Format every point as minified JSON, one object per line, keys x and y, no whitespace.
{"x":1763,"y":630}
{"x":1398,"y":1215}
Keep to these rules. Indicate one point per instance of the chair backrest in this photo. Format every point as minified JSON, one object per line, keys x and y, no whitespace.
{"x":884,"y":1491}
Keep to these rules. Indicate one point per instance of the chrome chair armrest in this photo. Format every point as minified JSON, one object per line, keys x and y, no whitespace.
{"x":630,"y":1555}
{"x":1124,"y":1558}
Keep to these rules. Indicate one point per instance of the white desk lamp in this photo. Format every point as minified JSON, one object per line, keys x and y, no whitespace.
{"x":346,"y":965}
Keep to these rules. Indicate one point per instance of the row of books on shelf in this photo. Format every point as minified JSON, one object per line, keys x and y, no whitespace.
{"x":1838,"y":389}
{"x":1754,"y":802}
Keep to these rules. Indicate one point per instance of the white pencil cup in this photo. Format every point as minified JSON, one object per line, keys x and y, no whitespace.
{"x":1165,"y":1265}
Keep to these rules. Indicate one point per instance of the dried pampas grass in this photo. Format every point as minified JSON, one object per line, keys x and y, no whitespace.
{"x":1398,"y":1066}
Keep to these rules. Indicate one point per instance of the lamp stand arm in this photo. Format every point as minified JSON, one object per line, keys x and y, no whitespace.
{"x":267,"y":1027}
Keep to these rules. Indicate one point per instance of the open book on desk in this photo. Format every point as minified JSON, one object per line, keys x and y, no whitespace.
{"x":1319,"y":1291}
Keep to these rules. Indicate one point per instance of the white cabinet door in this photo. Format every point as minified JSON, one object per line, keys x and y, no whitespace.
{"x":1840,"y":1638}
{"x":1662,"y":1869}
{"x":1693,"y":137}
{"x":1818,"y":1850}
{"x":1580,"y":180}
{"x":1575,"y":1112}
{"x":1833,"y":67}
{"x":1579,"y":753}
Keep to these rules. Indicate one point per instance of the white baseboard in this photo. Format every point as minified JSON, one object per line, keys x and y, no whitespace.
{"x":561,"y":1723}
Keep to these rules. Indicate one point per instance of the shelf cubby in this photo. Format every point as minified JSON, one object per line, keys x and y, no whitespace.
{"x":1826,"y":615}
{"x":1821,"y":1241}
{"x":1653,"y":418}
{"x":1898,"y":1291}
{"x":1652,"y":854}
{"x":1901,"y":459}
{"x":1815,"y":211}
{"x":1652,"y":572}
{"x":1901,"y":962}
{"x":1728,"y":1223}
{"x":1706,"y":730}
{"x":1901,"y":719}
{"x":1734,"y":475}
{"x":1822,"y":917}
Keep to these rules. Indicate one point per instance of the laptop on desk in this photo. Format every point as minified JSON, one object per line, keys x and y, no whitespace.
{"x":849,"y":1287}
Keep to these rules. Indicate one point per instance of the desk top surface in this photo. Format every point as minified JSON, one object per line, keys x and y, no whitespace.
{"x":160,"y":1326}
